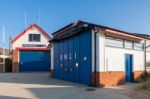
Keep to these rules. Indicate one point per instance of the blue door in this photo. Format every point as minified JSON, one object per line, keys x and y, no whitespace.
{"x":61,"y":58}
{"x":128,"y":67}
{"x":56,"y":60}
{"x":76,"y":59}
{"x":34,"y":61}
{"x":85,"y":58}
{"x":65,"y":49}
{"x":70,"y":59}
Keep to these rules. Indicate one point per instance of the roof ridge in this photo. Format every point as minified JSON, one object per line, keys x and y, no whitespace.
{"x":29,"y":27}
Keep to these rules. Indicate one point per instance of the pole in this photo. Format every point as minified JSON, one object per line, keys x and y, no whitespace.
{"x":3,"y":48}
{"x":9,"y":46}
{"x":145,"y":56}
{"x":39,"y":17}
{"x":25,"y":19}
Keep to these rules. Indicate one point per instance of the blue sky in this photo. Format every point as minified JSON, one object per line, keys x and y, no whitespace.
{"x":128,"y":15}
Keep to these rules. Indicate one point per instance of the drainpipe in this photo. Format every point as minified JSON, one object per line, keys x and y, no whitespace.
{"x":95,"y":47}
{"x":145,"y":57}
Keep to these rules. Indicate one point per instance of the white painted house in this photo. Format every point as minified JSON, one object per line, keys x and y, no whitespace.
{"x":30,"y":52}
{"x":112,"y":57}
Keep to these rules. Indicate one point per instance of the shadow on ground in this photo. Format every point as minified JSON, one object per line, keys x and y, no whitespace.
{"x":42,"y":78}
{"x":76,"y":93}
{"x":10,"y":97}
{"x":42,"y":87}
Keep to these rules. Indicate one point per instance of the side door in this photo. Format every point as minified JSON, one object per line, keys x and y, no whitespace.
{"x":129,"y":67}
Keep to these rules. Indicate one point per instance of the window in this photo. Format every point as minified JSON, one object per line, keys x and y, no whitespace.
{"x":148,"y":49}
{"x":147,"y":46}
{"x":138,"y":46}
{"x":128,"y":44}
{"x":35,"y":37}
{"x":114,"y":42}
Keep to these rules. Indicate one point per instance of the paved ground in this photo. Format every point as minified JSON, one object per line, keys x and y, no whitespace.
{"x":40,"y":86}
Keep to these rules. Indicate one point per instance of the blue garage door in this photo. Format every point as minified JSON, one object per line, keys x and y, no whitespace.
{"x":34,"y":61}
{"x":72,"y":58}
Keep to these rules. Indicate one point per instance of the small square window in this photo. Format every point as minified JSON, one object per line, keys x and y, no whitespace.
{"x":114,"y":42}
{"x":138,"y":46}
{"x":128,"y":44}
{"x":35,"y":37}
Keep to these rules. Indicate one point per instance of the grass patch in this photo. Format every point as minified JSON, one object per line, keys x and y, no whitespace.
{"x":145,"y":82}
{"x":146,"y":85}
{"x":143,"y":78}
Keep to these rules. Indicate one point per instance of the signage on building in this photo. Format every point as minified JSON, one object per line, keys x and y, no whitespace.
{"x":33,"y":45}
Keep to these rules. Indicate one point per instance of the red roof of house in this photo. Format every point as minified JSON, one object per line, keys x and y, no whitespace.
{"x":28,"y":28}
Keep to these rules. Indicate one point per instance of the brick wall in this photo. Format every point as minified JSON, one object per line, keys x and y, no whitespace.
{"x":138,"y":74}
{"x":15,"y":63}
{"x":51,"y":73}
{"x":111,"y":78}
{"x":105,"y":79}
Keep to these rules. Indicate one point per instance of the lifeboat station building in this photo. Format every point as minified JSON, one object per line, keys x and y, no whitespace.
{"x":92,"y":54}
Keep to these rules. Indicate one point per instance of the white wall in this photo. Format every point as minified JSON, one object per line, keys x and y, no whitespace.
{"x":25,"y":40}
{"x":148,"y":60}
{"x":148,"y":51}
{"x":113,"y":59}
{"x":148,"y":56}
{"x":100,"y":50}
